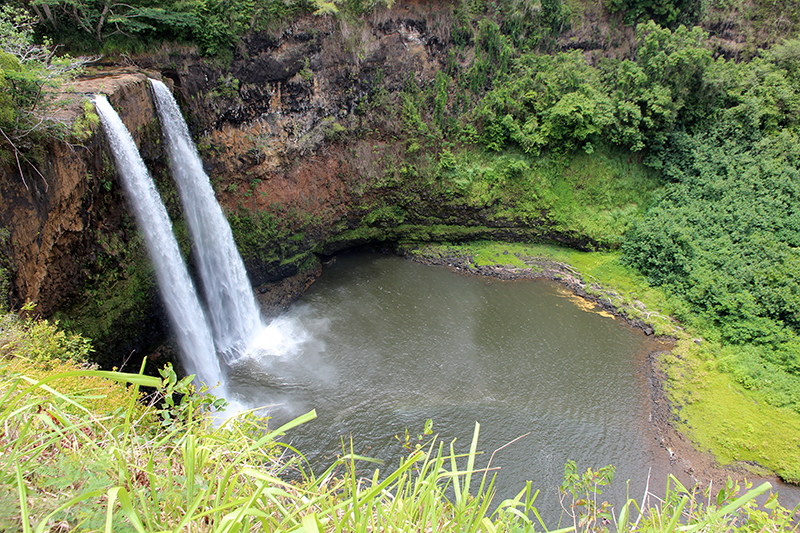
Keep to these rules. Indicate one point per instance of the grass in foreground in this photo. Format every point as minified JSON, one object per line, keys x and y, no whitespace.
{"x":70,"y":469}
{"x":108,"y":461}
{"x":719,"y":414}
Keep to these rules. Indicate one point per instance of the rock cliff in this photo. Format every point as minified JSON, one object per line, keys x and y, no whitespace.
{"x":69,"y":229}
{"x":303,"y":138}
{"x":305,"y":129}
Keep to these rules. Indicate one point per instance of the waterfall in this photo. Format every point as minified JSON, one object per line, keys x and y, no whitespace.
{"x":235,"y":316}
{"x":188,"y":320}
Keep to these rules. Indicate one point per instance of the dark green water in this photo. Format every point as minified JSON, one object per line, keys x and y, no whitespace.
{"x":380,"y":344}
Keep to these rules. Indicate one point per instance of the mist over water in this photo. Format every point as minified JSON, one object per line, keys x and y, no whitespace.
{"x":380,"y":344}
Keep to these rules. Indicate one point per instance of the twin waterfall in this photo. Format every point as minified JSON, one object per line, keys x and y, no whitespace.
{"x":230,"y":304}
{"x":229,"y":295}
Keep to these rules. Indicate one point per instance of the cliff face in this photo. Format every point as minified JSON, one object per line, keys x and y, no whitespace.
{"x":70,"y":235}
{"x":55,"y":209}
{"x":303,"y":138}
{"x":305,"y":130}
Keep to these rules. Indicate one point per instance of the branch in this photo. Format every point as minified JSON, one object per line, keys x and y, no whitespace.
{"x":16,"y":156}
{"x":100,"y":24}
{"x":46,"y":185}
{"x":79,"y":20}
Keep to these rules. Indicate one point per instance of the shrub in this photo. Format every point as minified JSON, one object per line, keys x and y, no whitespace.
{"x":40,"y":341}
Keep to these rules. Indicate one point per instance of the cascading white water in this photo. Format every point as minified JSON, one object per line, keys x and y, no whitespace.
{"x":177,"y":289}
{"x":231,"y":304}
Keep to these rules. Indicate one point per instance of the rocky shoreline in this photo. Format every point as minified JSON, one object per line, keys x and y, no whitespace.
{"x":538,"y":268}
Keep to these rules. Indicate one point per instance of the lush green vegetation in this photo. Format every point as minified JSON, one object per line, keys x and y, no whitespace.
{"x":719,"y":139}
{"x":107,"y":26}
{"x":29,"y":70}
{"x":723,"y":234}
{"x":684,"y":160}
{"x":213,"y":25}
{"x":667,"y":13}
{"x":559,"y":102}
{"x":95,"y":457}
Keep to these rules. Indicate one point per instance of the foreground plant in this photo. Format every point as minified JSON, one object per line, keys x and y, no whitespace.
{"x":84,"y":450}
{"x":67,"y":468}
{"x":168,"y":467}
{"x":734,"y":508}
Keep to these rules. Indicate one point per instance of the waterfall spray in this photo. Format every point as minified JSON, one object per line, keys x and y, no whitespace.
{"x":188,"y":320}
{"x":234,"y":314}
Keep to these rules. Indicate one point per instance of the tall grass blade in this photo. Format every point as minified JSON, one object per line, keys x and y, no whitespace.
{"x":189,"y":462}
{"x":624,"y":514}
{"x":311,"y":524}
{"x":302,"y":419}
{"x":127,"y":507}
{"x":112,"y":496}
{"x":454,"y":468}
{"x":23,"y":500}
{"x":132,"y":403}
{"x":677,"y":514}
{"x":728,"y":509}
{"x":122,"y":377}
{"x":473,"y":449}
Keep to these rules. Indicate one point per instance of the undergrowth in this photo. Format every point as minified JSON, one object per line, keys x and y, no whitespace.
{"x":598,"y":196}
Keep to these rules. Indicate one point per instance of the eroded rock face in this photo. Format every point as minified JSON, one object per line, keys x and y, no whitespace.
{"x":298,"y":127}
{"x":292,"y":128}
{"x":294,"y":133}
{"x":71,"y":240}
{"x":55,"y":211}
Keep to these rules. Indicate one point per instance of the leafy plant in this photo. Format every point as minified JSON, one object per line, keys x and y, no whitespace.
{"x":733,"y":508}
{"x":86,"y":124}
{"x":191,"y":403}
{"x":669,"y":12}
{"x":723,"y":238}
{"x":39,"y":340}
{"x":584,"y":490}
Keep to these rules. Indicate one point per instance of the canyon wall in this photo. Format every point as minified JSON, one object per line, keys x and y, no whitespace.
{"x":70,"y":238}
{"x":304,"y":137}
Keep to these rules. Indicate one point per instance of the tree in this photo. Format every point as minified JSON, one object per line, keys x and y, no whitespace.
{"x":27,"y":70}
{"x":667,"y":12}
{"x":101,"y":19}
